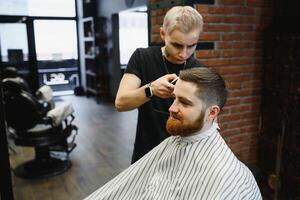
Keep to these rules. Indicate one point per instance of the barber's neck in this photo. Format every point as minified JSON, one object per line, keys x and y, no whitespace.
{"x":165,"y":54}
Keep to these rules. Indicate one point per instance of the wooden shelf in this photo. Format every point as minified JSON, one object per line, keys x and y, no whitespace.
{"x":96,"y":55}
{"x":88,"y":39}
{"x":90,"y":56}
{"x":91,"y":73}
{"x":92,"y":90}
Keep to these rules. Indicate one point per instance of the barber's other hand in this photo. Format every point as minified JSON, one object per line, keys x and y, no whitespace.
{"x":162,"y":87}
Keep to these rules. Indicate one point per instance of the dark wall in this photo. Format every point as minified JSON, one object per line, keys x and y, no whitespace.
{"x":106,"y":9}
{"x":280,"y":142}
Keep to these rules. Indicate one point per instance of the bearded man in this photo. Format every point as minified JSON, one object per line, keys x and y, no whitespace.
{"x":195,"y":162}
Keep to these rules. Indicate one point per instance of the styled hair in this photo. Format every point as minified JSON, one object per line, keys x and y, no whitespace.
{"x":211,"y":86}
{"x":182,"y":18}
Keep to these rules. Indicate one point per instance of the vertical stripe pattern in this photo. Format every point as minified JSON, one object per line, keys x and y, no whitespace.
{"x":187,"y":168}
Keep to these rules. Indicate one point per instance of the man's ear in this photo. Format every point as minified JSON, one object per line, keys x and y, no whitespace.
{"x":213,"y":112}
{"x":162,"y":33}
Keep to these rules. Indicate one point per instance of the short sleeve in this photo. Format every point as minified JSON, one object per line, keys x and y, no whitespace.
{"x":134,"y":64}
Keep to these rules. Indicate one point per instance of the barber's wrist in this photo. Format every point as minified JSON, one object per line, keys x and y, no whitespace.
{"x":148,"y":91}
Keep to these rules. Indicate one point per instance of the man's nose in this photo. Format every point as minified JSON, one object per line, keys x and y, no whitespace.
{"x":173,"y":108}
{"x":183,"y":53}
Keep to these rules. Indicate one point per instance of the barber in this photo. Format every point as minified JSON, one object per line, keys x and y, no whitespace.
{"x":147,"y":81}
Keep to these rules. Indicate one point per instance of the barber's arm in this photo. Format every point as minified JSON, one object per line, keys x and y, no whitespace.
{"x":131,"y":94}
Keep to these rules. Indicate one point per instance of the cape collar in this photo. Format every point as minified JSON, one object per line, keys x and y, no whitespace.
{"x":194,"y":138}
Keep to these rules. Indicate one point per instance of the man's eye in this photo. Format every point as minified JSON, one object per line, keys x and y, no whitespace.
{"x":192,"y":46}
{"x":184,"y":103}
{"x":177,"y":46}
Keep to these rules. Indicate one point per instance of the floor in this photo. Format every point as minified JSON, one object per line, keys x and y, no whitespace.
{"x":104,"y":147}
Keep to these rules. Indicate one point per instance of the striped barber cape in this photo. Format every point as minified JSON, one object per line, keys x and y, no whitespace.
{"x":189,"y":168}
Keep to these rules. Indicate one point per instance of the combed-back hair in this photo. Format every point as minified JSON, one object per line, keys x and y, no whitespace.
{"x":211,"y":86}
{"x":184,"y":19}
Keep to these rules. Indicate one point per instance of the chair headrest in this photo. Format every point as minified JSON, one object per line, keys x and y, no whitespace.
{"x":15,"y":84}
{"x":9,"y":72}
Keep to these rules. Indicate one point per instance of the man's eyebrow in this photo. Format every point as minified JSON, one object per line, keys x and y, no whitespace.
{"x":186,"y":100}
{"x":178,"y":44}
{"x":192,"y":44}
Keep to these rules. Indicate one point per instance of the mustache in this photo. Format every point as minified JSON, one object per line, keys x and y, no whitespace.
{"x":175,"y":116}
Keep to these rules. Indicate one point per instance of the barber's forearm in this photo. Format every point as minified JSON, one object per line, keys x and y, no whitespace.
{"x":129,"y":100}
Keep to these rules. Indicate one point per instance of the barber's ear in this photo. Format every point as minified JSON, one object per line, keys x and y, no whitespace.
{"x":213,"y":112}
{"x":162,"y":33}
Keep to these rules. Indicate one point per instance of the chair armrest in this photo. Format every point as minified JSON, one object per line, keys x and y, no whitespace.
{"x":60,"y":113}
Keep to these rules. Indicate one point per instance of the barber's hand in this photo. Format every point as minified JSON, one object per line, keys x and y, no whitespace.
{"x":162,"y":87}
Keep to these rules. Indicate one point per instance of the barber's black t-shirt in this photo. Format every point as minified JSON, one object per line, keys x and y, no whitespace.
{"x":148,"y":65}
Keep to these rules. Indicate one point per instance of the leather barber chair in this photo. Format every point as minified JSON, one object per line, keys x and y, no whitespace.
{"x":35,"y":124}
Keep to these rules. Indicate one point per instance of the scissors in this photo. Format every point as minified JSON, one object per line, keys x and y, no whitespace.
{"x":174,"y":80}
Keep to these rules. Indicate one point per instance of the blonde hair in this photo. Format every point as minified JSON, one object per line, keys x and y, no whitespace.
{"x":182,"y":18}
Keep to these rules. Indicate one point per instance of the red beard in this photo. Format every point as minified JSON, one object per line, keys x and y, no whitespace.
{"x":174,"y":126}
{"x":177,"y":127}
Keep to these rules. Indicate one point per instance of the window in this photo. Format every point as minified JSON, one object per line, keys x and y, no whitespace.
{"x":55,"y":39}
{"x":61,"y":8}
{"x":132,"y":22}
{"x":13,"y":49}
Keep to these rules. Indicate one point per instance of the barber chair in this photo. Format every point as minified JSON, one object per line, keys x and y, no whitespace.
{"x":36,"y":124}
{"x":9,"y":72}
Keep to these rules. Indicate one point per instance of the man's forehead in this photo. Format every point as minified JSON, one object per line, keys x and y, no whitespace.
{"x":185,"y":89}
{"x":184,"y":38}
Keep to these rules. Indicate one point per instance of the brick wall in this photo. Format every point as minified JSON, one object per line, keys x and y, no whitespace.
{"x":236,"y":28}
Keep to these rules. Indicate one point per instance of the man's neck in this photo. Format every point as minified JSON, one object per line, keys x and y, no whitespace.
{"x":206,"y":127}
